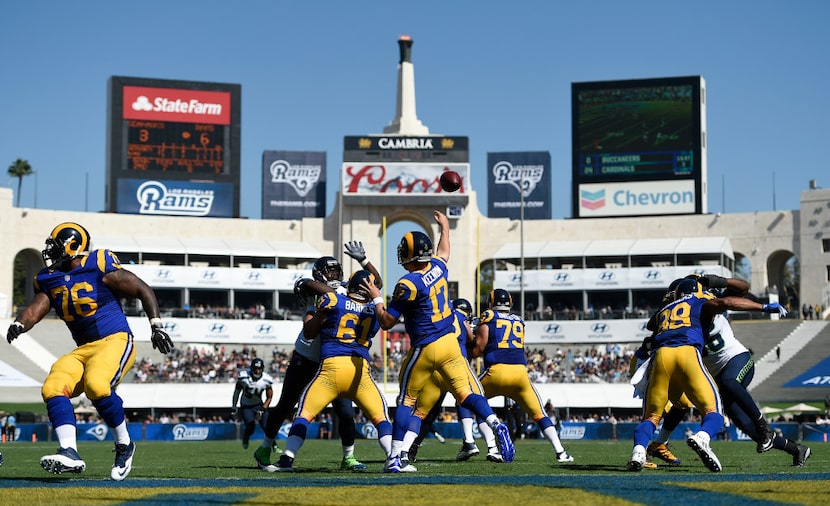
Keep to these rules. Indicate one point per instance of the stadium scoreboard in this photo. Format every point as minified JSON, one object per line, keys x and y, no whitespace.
{"x":638,"y":132}
{"x":173,"y":131}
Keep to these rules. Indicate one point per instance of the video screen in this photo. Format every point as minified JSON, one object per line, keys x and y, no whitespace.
{"x":632,"y":130}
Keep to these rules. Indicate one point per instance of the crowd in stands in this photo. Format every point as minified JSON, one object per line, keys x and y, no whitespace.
{"x":217,"y":364}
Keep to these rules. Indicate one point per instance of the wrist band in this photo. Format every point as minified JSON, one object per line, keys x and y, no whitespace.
{"x":156,"y":322}
{"x":364,"y":262}
{"x":377,"y":300}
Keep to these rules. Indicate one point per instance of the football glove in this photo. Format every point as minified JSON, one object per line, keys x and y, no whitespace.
{"x":356,"y":250}
{"x":775,"y":308}
{"x":15,"y":329}
{"x":233,"y":413}
{"x":161,"y":341}
{"x":713,"y":281}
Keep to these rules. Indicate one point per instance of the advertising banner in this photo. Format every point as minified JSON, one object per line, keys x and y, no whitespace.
{"x":413,"y":179}
{"x":637,"y":199}
{"x":586,"y":331}
{"x":207,"y":330}
{"x":516,"y":180}
{"x":293,"y":185}
{"x":175,"y":198}
{"x":237,"y":278}
{"x":598,"y":279}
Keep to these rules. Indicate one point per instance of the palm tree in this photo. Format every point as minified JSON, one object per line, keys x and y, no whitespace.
{"x":18,"y":169}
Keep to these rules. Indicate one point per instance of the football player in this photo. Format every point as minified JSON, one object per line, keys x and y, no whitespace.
{"x":677,"y":367}
{"x":731,"y":364}
{"x":327,"y":275}
{"x":345,"y":325}
{"x":464,"y":314}
{"x":422,"y":298}
{"x":83,"y":287}
{"x":499,"y":338}
{"x":250,"y":385}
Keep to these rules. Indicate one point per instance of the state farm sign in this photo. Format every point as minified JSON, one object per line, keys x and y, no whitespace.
{"x":177,"y":105}
{"x":409,"y":178}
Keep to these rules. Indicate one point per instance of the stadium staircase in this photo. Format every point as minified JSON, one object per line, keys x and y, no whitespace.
{"x":804,"y":347}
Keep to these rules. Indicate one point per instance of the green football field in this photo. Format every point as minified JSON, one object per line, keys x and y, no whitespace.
{"x":221,"y":472}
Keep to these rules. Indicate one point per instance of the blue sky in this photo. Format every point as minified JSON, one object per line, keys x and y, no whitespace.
{"x":497,"y":72}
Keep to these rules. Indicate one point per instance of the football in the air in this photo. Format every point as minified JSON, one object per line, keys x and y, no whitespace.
{"x":450,"y":181}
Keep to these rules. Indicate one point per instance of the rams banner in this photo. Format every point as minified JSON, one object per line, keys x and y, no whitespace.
{"x":293,"y":185}
{"x":519,"y":179}
{"x":175,"y":198}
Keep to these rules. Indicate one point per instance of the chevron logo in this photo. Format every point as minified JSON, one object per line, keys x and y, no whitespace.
{"x":592,"y":200}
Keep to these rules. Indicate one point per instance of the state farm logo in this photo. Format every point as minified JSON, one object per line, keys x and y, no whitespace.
{"x":161,"y":104}
{"x":178,"y":105}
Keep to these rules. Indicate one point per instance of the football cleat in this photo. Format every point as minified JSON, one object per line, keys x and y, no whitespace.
{"x":1,"y":459}
{"x":637,"y":460}
{"x":649,"y":465}
{"x":66,"y":460}
{"x":413,"y":452}
{"x":439,"y":437}
{"x":262,"y":456}
{"x":700,"y":444}
{"x":766,"y":434}
{"x":245,"y":441}
{"x":123,"y":461}
{"x":564,"y":457}
{"x":392,"y":465}
{"x":467,"y":451}
{"x":285,"y":464}
{"x":506,"y":448}
{"x":493,"y":455}
{"x":351,"y":463}
{"x":801,"y":455}
{"x":662,"y":452}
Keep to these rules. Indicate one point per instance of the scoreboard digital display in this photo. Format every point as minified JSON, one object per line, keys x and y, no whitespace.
{"x":176,"y":131}
{"x":637,"y":131}
{"x":166,"y":146}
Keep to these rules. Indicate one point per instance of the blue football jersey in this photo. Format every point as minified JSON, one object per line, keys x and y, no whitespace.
{"x":506,"y":341}
{"x":678,"y":323}
{"x":348,"y":328}
{"x":82,"y":300}
{"x":423,"y":298}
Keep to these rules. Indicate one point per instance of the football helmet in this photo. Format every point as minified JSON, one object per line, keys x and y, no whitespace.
{"x":686,"y":286}
{"x":464,"y":306}
{"x":414,"y":247}
{"x":257,"y":368}
{"x":67,"y":241}
{"x":328,"y":270}
{"x":356,"y":288}
{"x":500,"y":300}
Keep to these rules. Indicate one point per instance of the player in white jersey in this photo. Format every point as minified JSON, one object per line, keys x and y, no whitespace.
{"x":250,"y":386}
{"x":305,"y":360}
{"x":730,"y":364}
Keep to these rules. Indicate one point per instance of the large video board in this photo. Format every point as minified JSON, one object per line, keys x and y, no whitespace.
{"x":638,"y":131}
{"x":182,"y":136}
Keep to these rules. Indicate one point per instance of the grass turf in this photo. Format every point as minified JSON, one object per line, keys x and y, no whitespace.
{"x":221,"y":472}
